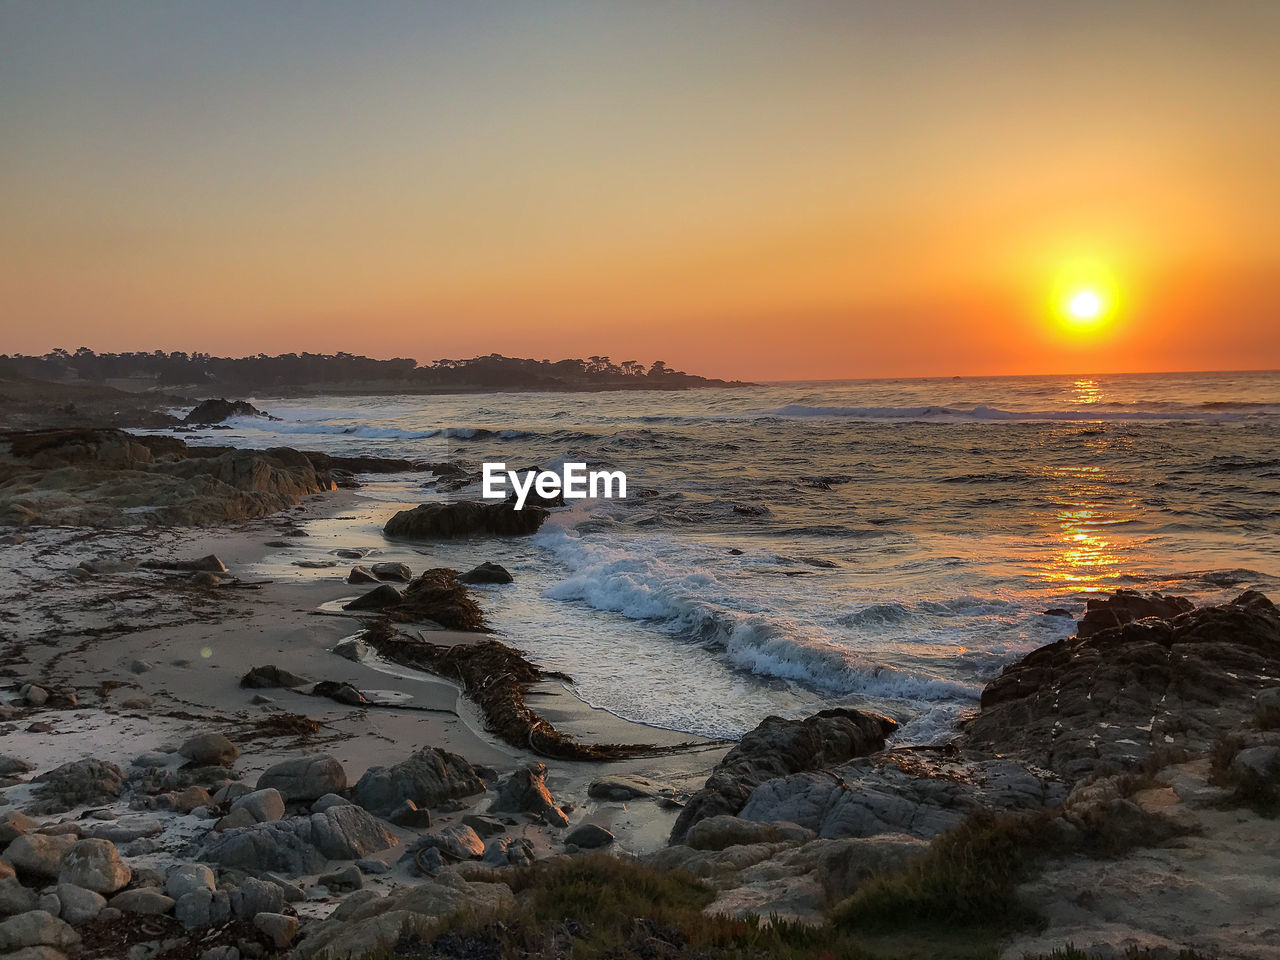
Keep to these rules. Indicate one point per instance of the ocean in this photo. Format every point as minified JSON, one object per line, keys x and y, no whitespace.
{"x":886,"y":544}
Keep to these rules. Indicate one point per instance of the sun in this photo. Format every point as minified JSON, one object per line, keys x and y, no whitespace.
{"x":1085,"y":305}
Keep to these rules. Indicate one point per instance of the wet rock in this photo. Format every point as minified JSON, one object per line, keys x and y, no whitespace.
{"x":343,"y":693}
{"x":35,"y":928}
{"x":352,"y":648}
{"x":379,"y":598}
{"x":621,"y":788}
{"x":278,"y":928}
{"x":465,"y":519}
{"x":94,"y":865}
{"x":427,"y":778}
{"x":271,"y":677}
{"x":1126,"y":606}
{"x":262,"y":805}
{"x":1152,"y":685}
{"x":208,"y":412}
{"x":360,"y":574}
{"x":37,"y":855}
{"x":525,"y":791}
{"x":305,"y":778}
{"x":79,"y":905}
{"x":145,"y":901}
{"x":487,"y":572}
{"x":391,"y":570}
{"x":589,"y":836}
{"x":779,"y":747}
{"x":79,"y":782}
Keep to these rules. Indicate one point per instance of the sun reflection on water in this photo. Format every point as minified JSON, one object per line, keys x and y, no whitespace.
{"x":1087,"y":556}
{"x":1086,"y":390}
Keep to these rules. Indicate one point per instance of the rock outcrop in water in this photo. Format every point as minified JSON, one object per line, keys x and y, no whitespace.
{"x":1119,"y":695}
{"x":466,"y":518}
{"x":779,"y":747}
{"x":208,"y":412}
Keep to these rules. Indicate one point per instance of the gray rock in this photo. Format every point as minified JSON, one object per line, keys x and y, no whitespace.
{"x":231,"y":792}
{"x":457,"y":840}
{"x":487,"y":572}
{"x":327,"y":801}
{"x":723,"y":830}
{"x":525,"y":791}
{"x":35,"y":696}
{"x":265,"y":846}
{"x":1261,"y":762}
{"x":305,"y":778}
{"x":408,"y":814}
{"x":125,"y":831}
{"x":352,"y":648}
{"x":360,"y":574}
{"x":378,"y":598}
{"x":263,"y":805}
{"x":13,"y":766}
{"x":79,"y":905}
{"x":291,"y":892}
{"x":202,"y":908}
{"x":95,"y":865}
{"x":484,"y":826}
{"x":507,"y":851}
{"x":210,"y":750}
{"x":226,"y":952}
{"x":15,"y":898}
{"x":254,"y":896}
{"x":390,"y":570}
{"x":38,"y":855}
{"x":35,"y":928}
{"x":271,"y":677}
{"x":621,"y":788}
{"x":344,"y":880}
{"x":147,"y":901}
{"x":428,"y":778}
{"x":278,"y":928}
{"x":777,"y":748}
{"x":233,"y":820}
{"x":589,"y":836}
{"x":50,"y":903}
{"x":372,"y":867}
{"x":183,"y":878}
{"x":349,"y":833}
{"x":13,"y":824}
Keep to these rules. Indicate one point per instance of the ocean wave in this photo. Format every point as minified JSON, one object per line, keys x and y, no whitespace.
{"x":362,"y":431}
{"x":799,"y":411}
{"x":638,"y":583}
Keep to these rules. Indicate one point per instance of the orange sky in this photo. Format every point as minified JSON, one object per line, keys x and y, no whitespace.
{"x":752,"y":190}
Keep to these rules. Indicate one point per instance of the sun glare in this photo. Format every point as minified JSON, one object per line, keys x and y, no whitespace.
{"x":1085,"y":305}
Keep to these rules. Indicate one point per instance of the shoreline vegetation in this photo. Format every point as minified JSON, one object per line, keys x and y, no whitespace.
{"x":197,"y":765}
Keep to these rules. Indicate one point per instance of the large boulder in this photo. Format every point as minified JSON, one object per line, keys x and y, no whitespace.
{"x":525,"y":791}
{"x":349,"y":832}
{"x":302,"y":844}
{"x":38,"y":855}
{"x":1150,"y":685}
{"x":35,"y":928}
{"x":209,"y":412}
{"x":427,"y":778}
{"x":94,"y":865}
{"x":466,"y":518}
{"x":1126,"y":606}
{"x":487,"y":572}
{"x":210,"y":750}
{"x":305,"y":778}
{"x":779,"y":747}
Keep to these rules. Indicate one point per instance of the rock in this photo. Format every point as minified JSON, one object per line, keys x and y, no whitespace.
{"x":379,"y":598}
{"x":427,"y":778}
{"x":525,"y":791}
{"x":507,"y":851}
{"x":428,"y":861}
{"x":15,"y":898}
{"x":210,"y":750}
{"x":262,"y":805}
{"x":184,"y":878}
{"x":778,"y":747}
{"x":457,"y":840}
{"x":390,"y":570}
{"x":373,"y":867}
{"x":343,"y":881}
{"x":487,"y":572}
{"x":79,"y":782}
{"x":484,"y":826}
{"x":35,"y":928}
{"x":146,"y":901}
{"x":465,"y":519}
{"x":305,"y":778}
{"x":191,"y":798}
{"x":340,"y":692}
{"x":95,"y":865}
{"x":360,"y":574}
{"x":349,"y":833}
{"x":13,"y":824}
{"x":265,"y":846}
{"x":202,"y":908}
{"x":230,"y":793}
{"x":234,"y":821}
{"x":205,"y":564}
{"x":38,"y":855}
{"x":254,"y":896}
{"x":408,"y":814}
{"x":1260,"y":763}
{"x":1157,"y":685}
{"x":79,"y":905}
{"x":627,"y":788}
{"x":278,"y":928}
{"x":271,"y":677}
{"x":35,"y":696}
{"x":6,"y":870}
{"x":208,"y":412}
{"x":126,"y":830}
{"x":1126,"y":606}
{"x":589,"y":836}
{"x":224,"y":952}
{"x":352,"y":648}
{"x":327,"y":801}
{"x":719,"y":832}
{"x":291,"y":891}
{"x":50,"y":903}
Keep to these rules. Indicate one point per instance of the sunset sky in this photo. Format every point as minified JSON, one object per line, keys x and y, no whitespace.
{"x":755,"y":190}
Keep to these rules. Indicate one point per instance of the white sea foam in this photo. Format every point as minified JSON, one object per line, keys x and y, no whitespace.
{"x":799,"y":411}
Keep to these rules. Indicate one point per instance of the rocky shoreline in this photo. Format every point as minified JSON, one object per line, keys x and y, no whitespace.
{"x":175,"y":784}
